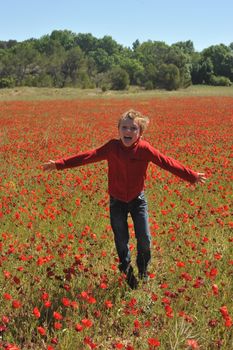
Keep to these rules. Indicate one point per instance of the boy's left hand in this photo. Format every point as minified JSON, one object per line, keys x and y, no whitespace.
{"x":201,"y":178}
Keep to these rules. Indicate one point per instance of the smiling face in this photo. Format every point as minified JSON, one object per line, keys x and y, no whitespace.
{"x":129,"y":131}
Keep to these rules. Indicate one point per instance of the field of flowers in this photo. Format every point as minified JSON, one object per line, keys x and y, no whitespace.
{"x":60,"y":288}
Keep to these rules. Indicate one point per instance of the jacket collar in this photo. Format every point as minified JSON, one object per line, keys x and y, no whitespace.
{"x":130,"y":147}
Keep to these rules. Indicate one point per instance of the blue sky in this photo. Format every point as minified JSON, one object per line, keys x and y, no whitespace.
{"x":205,"y":22}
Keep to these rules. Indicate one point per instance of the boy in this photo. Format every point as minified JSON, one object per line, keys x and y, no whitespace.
{"x":128,"y":158}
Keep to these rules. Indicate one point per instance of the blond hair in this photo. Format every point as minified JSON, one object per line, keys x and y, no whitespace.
{"x":136,"y":116}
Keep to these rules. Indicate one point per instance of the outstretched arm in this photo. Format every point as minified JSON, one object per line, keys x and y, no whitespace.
{"x":175,"y":167}
{"x":50,"y":166}
{"x":201,"y":178}
{"x":83,"y":158}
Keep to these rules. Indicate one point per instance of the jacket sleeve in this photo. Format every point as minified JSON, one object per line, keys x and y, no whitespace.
{"x":92,"y":156}
{"x":173,"y":166}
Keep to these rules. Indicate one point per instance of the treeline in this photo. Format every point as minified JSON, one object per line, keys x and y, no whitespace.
{"x":66,"y":59}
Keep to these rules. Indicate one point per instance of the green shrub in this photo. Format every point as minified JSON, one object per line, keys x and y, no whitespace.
{"x":119,"y":79}
{"x":169,"y":77}
{"x":104,"y":88}
{"x":220,"y":81}
{"x":7,"y":82}
{"x":149,"y":85}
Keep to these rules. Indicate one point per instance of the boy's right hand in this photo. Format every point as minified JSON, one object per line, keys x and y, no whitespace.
{"x":50,"y":166}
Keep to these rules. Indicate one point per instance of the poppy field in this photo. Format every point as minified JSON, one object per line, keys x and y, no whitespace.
{"x":60,"y":288}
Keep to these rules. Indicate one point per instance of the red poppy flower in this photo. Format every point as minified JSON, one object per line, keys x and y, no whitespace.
{"x":153,"y":343}
{"x":16,"y":304}
{"x":36,"y":312}
{"x":41,"y":330}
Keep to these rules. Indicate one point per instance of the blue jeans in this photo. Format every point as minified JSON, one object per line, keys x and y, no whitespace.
{"x":138,"y":210}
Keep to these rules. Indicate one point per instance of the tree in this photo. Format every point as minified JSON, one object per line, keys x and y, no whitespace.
{"x":133,"y":68}
{"x":169,"y":77}
{"x":151,"y":72}
{"x":185,"y":76}
{"x":196,"y":68}
{"x":48,"y":44}
{"x":152,"y":52}
{"x":103,"y":61}
{"x":206,"y":70}
{"x":135,"y":44}
{"x":53,"y":64}
{"x":4,"y":60}
{"x":119,"y":78}
{"x":65,"y":58}
{"x":73,"y":63}
{"x":227,"y":66}
{"x":86,"y":42}
{"x":201,"y":69}
{"x":24,"y":61}
{"x":177,"y":56}
{"x":151,"y":55}
{"x":43,"y":45}
{"x":7,"y":44}
{"x":66,"y":38}
{"x":109,"y":45}
{"x":186,"y":47}
{"x":221,"y":59}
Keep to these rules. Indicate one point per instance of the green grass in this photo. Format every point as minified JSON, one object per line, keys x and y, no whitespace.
{"x":56,"y":239}
{"x":32,"y":93}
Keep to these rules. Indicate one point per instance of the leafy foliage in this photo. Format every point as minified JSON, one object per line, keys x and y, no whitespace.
{"x":119,"y":79}
{"x":64,"y":58}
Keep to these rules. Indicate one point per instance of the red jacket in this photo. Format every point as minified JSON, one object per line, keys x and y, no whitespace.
{"x":127,"y":166}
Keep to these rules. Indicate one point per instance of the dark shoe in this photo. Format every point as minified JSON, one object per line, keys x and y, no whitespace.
{"x":143,"y":276}
{"x":131,"y":279}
